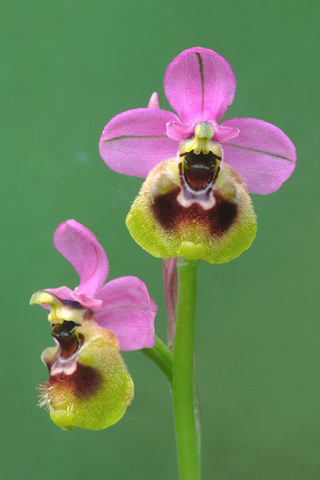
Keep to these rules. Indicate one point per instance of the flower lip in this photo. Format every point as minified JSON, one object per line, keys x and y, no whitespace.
{"x":91,"y":388}
{"x":170,"y":219}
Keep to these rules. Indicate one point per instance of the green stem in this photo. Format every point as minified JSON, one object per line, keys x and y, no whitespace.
{"x":183,"y":373}
{"x":161,"y":356}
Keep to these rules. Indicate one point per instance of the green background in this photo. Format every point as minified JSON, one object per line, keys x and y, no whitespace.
{"x":67,"y":67}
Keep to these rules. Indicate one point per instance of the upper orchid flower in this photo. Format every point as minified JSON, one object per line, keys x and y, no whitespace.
{"x":89,"y":385}
{"x":205,"y":160}
{"x":200,"y":86}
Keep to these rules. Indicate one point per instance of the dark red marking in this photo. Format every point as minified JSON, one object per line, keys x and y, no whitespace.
{"x":171,"y":215}
{"x":83,"y":382}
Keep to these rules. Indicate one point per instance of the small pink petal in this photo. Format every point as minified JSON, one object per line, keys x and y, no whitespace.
{"x":179,"y":131}
{"x":81,"y":248}
{"x":199,"y":83}
{"x":153,"y":102}
{"x":86,"y":302}
{"x":134,"y":142}
{"x":129,"y":312}
{"x":263,"y":155}
{"x":64,"y":293}
{"x":221,"y":133}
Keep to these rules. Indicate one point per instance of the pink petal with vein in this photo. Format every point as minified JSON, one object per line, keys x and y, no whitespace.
{"x":129,"y":312}
{"x":86,"y":302}
{"x":263,"y":155}
{"x":199,"y":83}
{"x":81,"y":248}
{"x":134,"y":142}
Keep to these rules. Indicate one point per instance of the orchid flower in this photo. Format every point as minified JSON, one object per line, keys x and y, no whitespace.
{"x":195,"y":200}
{"x":89,"y":385}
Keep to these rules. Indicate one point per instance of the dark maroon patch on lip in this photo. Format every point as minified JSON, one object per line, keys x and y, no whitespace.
{"x":171,"y":214}
{"x":83,"y":382}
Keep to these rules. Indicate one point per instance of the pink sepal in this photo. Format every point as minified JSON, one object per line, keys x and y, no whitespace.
{"x":134,"y":142}
{"x":199,"y":83}
{"x":129,"y":312}
{"x":81,"y":248}
{"x":263,"y":155}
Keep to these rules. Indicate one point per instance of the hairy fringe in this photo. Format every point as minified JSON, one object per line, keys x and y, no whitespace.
{"x":54,"y":392}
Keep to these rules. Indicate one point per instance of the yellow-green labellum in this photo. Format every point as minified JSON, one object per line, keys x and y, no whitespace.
{"x":193,"y":207}
{"x":89,"y":385}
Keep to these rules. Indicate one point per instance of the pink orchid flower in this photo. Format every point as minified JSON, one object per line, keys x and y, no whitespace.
{"x":122,"y":306}
{"x":200,"y":86}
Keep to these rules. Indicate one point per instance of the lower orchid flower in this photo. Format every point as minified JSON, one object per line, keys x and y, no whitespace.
{"x":89,"y":385}
{"x":194,"y":202}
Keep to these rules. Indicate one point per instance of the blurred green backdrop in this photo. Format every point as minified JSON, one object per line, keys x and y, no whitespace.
{"x":69,"y":66}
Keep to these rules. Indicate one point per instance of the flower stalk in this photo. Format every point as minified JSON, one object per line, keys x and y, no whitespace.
{"x":170,"y":282}
{"x":188,"y":441}
{"x":161,"y":356}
